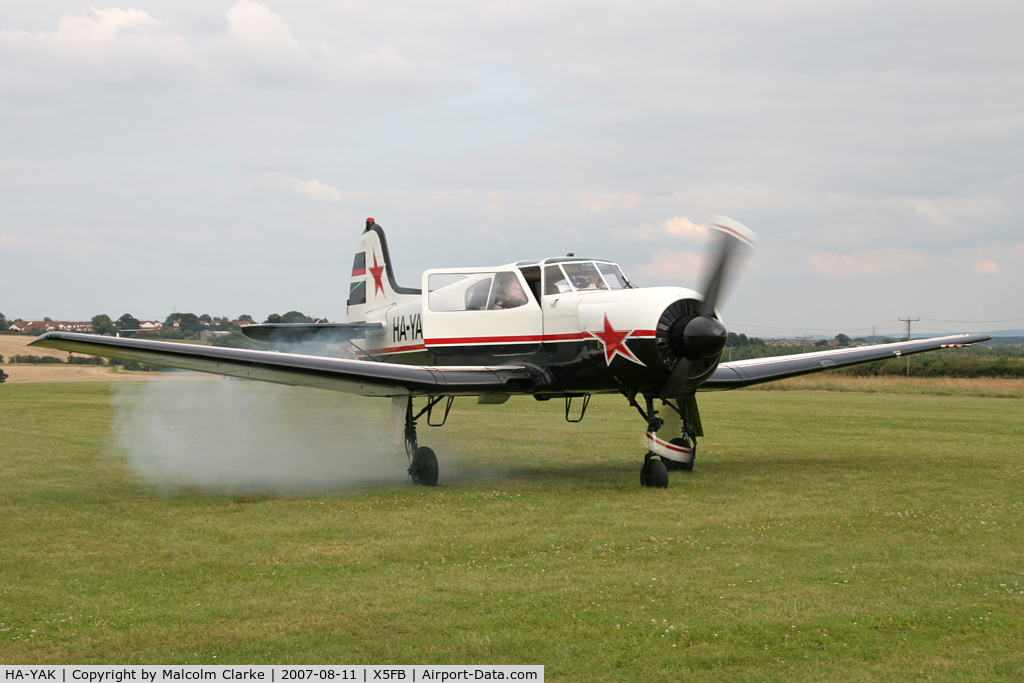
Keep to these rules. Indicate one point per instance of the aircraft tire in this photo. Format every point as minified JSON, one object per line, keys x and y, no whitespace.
{"x":681,"y":466}
{"x":424,"y":467}
{"x":654,"y":474}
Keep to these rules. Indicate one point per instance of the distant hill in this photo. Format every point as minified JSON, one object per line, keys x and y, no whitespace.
{"x":1010,"y":341}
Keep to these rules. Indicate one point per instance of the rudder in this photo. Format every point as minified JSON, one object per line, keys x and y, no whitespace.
{"x":373,"y":283}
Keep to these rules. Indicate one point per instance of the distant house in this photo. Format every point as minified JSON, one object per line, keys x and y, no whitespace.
{"x":800,"y":341}
{"x":40,"y":326}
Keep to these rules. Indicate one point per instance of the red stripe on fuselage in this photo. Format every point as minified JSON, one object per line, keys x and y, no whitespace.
{"x":490,"y":341}
{"x":527,"y":339}
{"x":473,"y":341}
{"x":392,"y":349}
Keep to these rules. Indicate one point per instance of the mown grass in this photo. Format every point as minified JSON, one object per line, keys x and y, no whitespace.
{"x":822,"y":536}
{"x":992,"y":387}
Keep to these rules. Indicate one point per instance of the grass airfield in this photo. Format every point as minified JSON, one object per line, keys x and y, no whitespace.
{"x":822,"y":536}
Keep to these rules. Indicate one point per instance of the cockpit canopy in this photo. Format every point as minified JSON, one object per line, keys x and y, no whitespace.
{"x":579,"y":275}
{"x":486,"y":289}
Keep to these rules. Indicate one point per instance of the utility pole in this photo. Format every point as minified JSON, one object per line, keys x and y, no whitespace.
{"x":908,"y":320}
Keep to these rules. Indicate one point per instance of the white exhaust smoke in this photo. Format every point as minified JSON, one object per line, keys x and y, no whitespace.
{"x":240,"y":437}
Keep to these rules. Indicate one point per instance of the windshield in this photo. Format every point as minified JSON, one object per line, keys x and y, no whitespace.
{"x":583,"y":276}
{"x":613,"y":276}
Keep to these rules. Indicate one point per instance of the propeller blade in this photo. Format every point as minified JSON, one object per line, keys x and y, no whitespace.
{"x":704,"y":336}
{"x":678,"y":383}
{"x":731,"y":234}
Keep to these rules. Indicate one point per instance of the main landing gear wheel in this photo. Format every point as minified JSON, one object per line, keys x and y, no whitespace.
{"x":675,"y":466}
{"x":423,"y":469}
{"x":653,"y":474}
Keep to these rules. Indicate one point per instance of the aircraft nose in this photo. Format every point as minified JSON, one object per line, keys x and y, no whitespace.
{"x":700,"y":337}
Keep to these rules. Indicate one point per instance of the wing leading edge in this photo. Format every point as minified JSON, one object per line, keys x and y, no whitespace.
{"x":351,"y":376}
{"x":743,"y":373}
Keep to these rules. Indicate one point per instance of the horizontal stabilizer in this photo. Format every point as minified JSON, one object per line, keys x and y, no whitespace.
{"x":290,"y":333}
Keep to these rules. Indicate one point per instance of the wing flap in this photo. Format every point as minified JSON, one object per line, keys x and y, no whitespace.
{"x":744,"y":373}
{"x":365,"y":378}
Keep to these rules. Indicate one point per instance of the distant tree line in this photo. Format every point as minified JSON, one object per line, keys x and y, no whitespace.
{"x":1000,"y":360}
{"x":24,"y":359}
{"x":175,"y":326}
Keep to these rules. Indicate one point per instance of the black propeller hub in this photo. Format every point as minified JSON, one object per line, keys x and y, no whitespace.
{"x":698,"y":337}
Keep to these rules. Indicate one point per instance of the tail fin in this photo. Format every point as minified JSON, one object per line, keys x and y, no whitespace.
{"x":373,"y":281}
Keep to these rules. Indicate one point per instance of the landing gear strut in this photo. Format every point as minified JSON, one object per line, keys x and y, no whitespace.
{"x":422,"y":461}
{"x":665,"y":456}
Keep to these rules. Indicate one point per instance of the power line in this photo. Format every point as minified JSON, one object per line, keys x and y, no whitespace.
{"x":886,"y":324}
{"x":939,"y":320}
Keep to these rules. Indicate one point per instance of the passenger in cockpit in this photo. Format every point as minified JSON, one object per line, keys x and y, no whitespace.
{"x":510,"y":293}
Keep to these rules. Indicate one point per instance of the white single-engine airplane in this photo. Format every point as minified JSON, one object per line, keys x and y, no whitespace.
{"x":563,"y":327}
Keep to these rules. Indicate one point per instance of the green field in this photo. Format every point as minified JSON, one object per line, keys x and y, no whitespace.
{"x":822,"y":536}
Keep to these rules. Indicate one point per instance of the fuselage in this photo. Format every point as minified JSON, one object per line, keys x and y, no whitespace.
{"x":579,"y":321}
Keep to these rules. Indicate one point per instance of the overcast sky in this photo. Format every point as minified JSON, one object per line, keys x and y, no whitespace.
{"x":221,"y":156}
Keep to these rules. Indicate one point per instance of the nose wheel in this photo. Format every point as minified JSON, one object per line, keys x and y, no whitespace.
{"x":662,"y":456}
{"x":653,"y":474}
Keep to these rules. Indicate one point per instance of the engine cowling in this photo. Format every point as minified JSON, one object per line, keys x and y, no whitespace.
{"x":683,"y":333}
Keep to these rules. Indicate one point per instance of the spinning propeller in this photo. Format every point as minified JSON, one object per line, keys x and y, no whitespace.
{"x":689,"y":330}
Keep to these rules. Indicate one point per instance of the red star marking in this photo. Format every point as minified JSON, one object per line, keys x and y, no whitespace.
{"x":376,"y":272}
{"x":614,"y":342}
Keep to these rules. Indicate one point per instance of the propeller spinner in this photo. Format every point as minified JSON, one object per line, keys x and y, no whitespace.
{"x":689,"y":328}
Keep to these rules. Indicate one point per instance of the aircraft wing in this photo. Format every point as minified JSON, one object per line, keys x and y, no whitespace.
{"x":366,"y":378}
{"x":312,"y":332}
{"x":743,"y":373}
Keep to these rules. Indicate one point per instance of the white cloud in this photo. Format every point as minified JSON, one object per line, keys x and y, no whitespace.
{"x":673,"y":266}
{"x":309,"y":190}
{"x":867,"y":263}
{"x":255,"y":24}
{"x":599,"y":203}
{"x":385,"y":59}
{"x":71,"y":244}
{"x":987,"y":267}
{"x":685,"y":228}
{"x":102,"y":26}
{"x":678,"y":227}
{"x":116,"y":49}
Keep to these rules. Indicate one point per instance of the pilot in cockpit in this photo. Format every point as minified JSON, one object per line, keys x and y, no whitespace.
{"x":510,"y":292}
